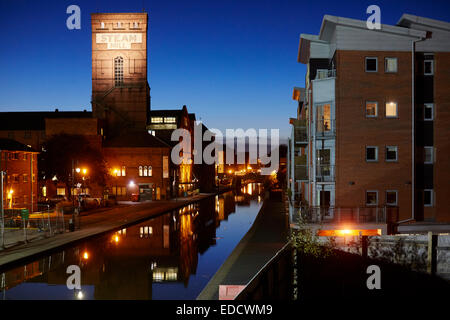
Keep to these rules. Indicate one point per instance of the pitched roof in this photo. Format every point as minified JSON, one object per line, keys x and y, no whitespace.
{"x":35,"y":120}
{"x":135,"y":140}
{"x":13,"y":145}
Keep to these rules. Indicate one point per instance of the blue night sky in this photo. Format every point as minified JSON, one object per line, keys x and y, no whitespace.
{"x":233,"y":63}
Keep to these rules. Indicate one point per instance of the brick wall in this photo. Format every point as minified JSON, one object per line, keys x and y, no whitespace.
{"x":354,"y":87}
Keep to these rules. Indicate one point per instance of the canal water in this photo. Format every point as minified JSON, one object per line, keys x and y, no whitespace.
{"x":172,"y":256}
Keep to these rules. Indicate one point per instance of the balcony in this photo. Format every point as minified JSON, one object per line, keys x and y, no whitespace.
{"x":325,"y":173}
{"x":301,"y":132}
{"x":301,"y":168}
{"x":325,"y":74}
{"x":343,"y":215}
{"x":325,"y":128}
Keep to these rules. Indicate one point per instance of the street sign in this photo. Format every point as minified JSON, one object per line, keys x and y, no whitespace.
{"x":24,"y":213}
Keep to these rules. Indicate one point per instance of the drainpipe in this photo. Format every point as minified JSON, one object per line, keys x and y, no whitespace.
{"x":413,"y":160}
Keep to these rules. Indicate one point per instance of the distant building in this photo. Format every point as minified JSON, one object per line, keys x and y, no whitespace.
{"x":138,"y":162}
{"x":19,"y":162}
{"x":370,"y":143}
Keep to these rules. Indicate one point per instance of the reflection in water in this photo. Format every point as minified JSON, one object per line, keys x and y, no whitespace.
{"x":145,"y":260}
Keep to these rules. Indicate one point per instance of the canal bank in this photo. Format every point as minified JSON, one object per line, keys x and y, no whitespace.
{"x":93,"y":225}
{"x":265,"y":238}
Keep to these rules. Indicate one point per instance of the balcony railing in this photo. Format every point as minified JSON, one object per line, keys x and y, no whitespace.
{"x":325,"y":173}
{"x":301,"y":168}
{"x":325,"y":128}
{"x":349,"y":215}
{"x":301,"y":131}
{"x":324,"y":74}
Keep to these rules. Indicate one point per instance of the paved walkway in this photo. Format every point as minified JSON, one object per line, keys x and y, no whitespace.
{"x":264,"y":239}
{"x":94,"y":224}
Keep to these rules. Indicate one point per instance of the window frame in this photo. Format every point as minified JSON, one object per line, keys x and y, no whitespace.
{"x":376,"y":109}
{"x":376,"y":64}
{"x":376,"y":154}
{"x":385,"y":64}
{"x":432,"y":67}
{"x":431,"y":106}
{"x":424,"y":154}
{"x":396,"y":198}
{"x":431,"y":204}
{"x":376,"y":202}
{"x":119,"y":71}
{"x":386,"y":153}
{"x":396,"y":109}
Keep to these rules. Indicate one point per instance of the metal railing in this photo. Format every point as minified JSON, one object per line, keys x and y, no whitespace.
{"x":345,"y":214}
{"x":274,"y":280}
{"x":20,"y":226}
{"x":325,"y":173}
{"x":325,"y":73}
{"x":325,"y":128}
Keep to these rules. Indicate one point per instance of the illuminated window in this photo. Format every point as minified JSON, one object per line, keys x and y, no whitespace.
{"x":152,"y":132}
{"x":61,"y":191}
{"x":371,"y":64}
{"x":118,"y":71}
{"x":371,"y":109}
{"x":102,"y":25}
{"x":145,"y":171}
{"x":428,"y":155}
{"x":149,"y":171}
{"x":119,"y":24}
{"x":44,"y":191}
{"x":136,"y":24}
{"x":391,"y":153}
{"x":157,"y":119}
{"x":371,"y":198}
{"x":140,"y":171}
{"x":390,"y":65}
{"x":391,"y":110}
{"x":170,"y":120}
{"x":123,"y":171}
{"x":391,"y":197}
{"x":428,"y":112}
{"x":428,"y":197}
{"x":371,"y":153}
{"x":25,"y":178}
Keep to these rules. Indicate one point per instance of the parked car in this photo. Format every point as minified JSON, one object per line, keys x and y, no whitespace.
{"x":56,"y":199}
{"x":87,"y":202}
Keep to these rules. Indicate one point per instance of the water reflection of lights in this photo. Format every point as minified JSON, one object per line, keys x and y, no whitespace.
{"x":80,"y":295}
{"x":259,"y":199}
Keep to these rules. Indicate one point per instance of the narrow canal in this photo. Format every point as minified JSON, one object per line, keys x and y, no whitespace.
{"x":172,"y":256}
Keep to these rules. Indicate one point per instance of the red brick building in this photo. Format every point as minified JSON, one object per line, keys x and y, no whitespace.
{"x":374,"y":114}
{"x":18,"y":162}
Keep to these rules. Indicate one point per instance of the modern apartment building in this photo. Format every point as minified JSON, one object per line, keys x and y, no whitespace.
{"x":370,"y":142}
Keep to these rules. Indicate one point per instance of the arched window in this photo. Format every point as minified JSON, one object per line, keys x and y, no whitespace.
{"x":149,"y":171}
{"x":145,"y":171}
{"x":140,"y":171}
{"x":118,"y":71}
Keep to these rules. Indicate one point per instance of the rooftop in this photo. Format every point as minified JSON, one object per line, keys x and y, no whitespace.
{"x":13,"y":145}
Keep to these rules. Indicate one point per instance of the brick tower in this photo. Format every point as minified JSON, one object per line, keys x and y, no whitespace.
{"x":120,"y":90}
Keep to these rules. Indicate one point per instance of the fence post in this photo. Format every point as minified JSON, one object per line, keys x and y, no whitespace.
{"x":432,"y":253}
{"x":48,"y":220}
{"x":63,"y":225}
{"x":364,"y":246}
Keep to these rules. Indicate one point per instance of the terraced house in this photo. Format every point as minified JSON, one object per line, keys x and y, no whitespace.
{"x":369,"y":146}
